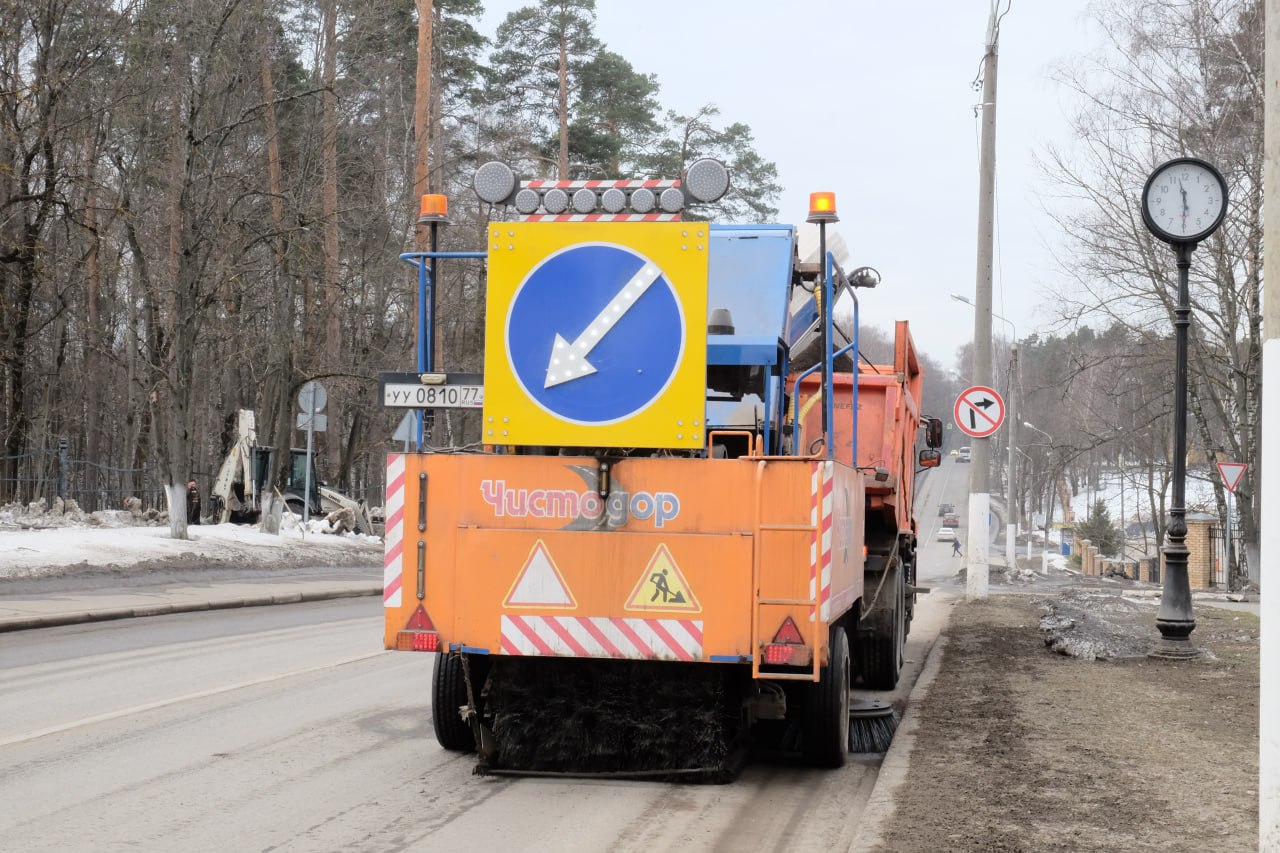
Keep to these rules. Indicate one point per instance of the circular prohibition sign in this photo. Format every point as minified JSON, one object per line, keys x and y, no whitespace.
{"x":979,"y":411}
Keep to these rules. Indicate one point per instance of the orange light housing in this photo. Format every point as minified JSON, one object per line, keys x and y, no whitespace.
{"x":434,"y":208}
{"x":822,"y":207}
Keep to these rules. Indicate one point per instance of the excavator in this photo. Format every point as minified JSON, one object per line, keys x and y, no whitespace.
{"x":248,"y":463}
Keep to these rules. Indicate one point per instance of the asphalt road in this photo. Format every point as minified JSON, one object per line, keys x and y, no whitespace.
{"x":288,"y":728}
{"x":947,"y":483}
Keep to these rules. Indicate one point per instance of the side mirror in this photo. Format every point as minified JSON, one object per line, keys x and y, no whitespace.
{"x":933,"y":432}
{"x":930,"y":458}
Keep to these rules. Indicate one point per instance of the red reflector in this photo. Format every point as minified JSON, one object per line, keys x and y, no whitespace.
{"x":420,"y":621}
{"x":417,"y":641}
{"x":776,"y":654}
{"x":788,"y":633}
{"x":787,"y":654}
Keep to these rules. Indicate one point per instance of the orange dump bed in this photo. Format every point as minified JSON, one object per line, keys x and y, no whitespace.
{"x":638,"y":558}
{"x":888,"y":400}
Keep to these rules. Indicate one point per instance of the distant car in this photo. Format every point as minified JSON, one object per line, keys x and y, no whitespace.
{"x":944,"y":508}
{"x":963,"y":456}
{"x":955,"y":452}
{"x":946,"y":534}
{"x":951,"y":519}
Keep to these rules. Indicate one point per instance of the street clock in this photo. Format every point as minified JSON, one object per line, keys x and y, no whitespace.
{"x":1184,"y":200}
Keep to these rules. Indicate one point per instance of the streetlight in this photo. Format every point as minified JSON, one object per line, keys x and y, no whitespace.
{"x":958,"y":298}
{"x":1048,"y":513}
{"x":1011,"y":529}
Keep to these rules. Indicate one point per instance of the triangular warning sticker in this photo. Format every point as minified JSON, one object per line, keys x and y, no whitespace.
{"x":1231,"y":473}
{"x":663,"y":587}
{"x":420,"y":621}
{"x":540,"y":583}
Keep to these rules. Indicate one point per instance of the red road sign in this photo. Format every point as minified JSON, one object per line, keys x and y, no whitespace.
{"x":979,"y":411}
{"x":1232,"y":473}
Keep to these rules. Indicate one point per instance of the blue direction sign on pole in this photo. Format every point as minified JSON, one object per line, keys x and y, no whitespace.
{"x":595,"y":334}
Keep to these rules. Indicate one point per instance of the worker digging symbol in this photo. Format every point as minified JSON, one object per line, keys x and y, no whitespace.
{"x":660,"y":587}
{"x":663,"y":586}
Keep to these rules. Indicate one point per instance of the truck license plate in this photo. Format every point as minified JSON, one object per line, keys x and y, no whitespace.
{"x":450,"y":394}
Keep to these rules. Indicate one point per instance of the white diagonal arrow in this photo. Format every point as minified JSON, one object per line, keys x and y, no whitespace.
{"x":569,"y":360}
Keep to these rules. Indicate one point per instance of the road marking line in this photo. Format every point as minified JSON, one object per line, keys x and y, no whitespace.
{"x":189,"y":697}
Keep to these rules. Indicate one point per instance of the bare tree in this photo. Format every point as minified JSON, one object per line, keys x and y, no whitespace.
{"x":1175,"y":78}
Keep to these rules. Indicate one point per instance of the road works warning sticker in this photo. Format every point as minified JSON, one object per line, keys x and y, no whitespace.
{"x":540,"y":583}
{"x":662,"y":586}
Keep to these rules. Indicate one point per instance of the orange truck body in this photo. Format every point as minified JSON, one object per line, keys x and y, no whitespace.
{"x":680,"y":559}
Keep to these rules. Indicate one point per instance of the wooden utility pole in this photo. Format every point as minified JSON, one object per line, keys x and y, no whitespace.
{"x":978,"y":566}
{"x":1269,"y":479}
{"x":422,"y":114}
{"x":332,"y":301}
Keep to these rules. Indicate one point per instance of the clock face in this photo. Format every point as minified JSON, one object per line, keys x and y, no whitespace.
{"x":1184,"y":201}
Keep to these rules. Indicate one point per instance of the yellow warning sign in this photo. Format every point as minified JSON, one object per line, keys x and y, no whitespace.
{"x":663,"y":587}
{"x":540,"y":584}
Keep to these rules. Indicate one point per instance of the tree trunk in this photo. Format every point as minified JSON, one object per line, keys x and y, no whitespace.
{"x":563,"y":165}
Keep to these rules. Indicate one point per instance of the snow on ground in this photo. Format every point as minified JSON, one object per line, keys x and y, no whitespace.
{"x":37,"y":543}
{"x":1133,"y":502}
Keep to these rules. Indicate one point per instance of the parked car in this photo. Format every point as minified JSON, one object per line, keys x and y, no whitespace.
{"x":951,"y":519}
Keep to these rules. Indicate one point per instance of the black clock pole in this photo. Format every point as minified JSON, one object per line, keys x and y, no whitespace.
{"x":1175,"y":619}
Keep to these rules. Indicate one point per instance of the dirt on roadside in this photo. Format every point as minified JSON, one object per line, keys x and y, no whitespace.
{"x":1021,"y":748}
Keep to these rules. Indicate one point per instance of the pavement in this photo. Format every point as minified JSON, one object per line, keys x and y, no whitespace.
{"x":65,"y":604}
{"x":67,"y":601}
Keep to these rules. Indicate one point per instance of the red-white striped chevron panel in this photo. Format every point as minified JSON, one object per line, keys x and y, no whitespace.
{"x":393,"y":535}
{"x":600,"y":185}
{"x":600,"y":217}
{"x":602,"y":637}
{"x":820,"y":517}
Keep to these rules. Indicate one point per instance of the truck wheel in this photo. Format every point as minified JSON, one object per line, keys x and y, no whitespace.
{"x":826,"y":713}
{"x":882,"y":651}
{"x":448,"y":694}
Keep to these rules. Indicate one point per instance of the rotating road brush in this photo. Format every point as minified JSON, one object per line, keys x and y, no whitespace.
{"x":871,"y":725}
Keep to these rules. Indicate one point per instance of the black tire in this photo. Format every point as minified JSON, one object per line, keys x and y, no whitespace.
{"x":826,"y":713}
{"x":295,"y":507}
{"x":448,"y":694}
{"x":883,"y":650}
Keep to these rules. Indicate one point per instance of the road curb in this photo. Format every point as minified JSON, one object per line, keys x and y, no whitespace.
{"x":54,"y":620}
{"x":893,"y":769}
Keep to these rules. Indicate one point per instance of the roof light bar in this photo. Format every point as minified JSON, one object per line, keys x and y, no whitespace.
{"x":494,"y":182}
{"x":706,"y":180}
{"x":584,"y":200}
{"x":613,"y":200}
{"x":528,"y":201}
{"x":555,"y":201}
{"x":643,"y":200}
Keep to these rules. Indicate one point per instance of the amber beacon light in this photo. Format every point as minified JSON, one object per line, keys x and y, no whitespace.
{"x":434,"y":208}
{"x":822,"y":207}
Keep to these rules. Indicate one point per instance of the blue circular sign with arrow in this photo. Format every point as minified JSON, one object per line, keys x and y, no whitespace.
{"x":595,"y":333}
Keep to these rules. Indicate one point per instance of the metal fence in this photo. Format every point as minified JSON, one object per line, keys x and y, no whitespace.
{"x":93,"y":486}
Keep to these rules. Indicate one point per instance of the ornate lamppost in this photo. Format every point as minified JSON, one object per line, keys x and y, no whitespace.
{"x":1183,"y":202}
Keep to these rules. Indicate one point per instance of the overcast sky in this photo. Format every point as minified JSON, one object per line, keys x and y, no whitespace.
{"x":873,"y":101}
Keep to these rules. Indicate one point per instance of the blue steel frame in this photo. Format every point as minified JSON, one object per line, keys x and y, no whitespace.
{"x":829,"y":361}
{"x":426,"y":324}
